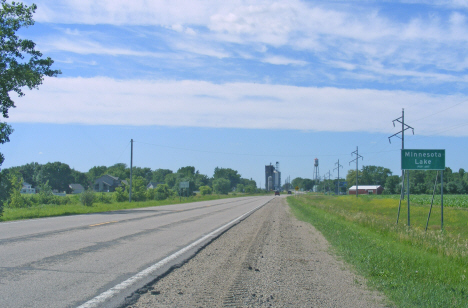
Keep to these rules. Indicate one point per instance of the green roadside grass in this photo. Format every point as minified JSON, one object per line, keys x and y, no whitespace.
{"x":413,"y":268}
{"x":50,"y":210}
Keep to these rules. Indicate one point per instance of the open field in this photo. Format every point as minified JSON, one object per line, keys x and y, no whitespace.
{"x":449,"y":200}
{"x":49,"y":210}
{"x":413,"y":268}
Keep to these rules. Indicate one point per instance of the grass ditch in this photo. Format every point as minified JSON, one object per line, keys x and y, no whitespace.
{"x":411,"y":267}
{"x":49,"y":210}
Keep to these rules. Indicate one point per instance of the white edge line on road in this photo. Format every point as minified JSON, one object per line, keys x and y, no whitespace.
{"x":101,"y":298}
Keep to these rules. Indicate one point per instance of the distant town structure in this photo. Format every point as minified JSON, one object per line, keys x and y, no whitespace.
{"x":27,"y":189}
{"x":272,"y":177}
{"x":107,"y":183}
{"x":366,"y":190}
{"x":152,"y":184}
{"x":316,"y":171}
{"x":76,"y":188}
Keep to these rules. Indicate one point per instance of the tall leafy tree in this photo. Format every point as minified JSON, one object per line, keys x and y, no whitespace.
{"x":21,"y":65}
{"x":57,"y":174}
{"x":159,"y":175}
{"x":228,"y":174}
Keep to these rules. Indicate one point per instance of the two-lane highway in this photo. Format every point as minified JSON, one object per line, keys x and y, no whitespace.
{"x":96,"y":260}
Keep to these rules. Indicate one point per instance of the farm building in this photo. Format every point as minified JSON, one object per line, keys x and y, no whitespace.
{"x":366,"y":190}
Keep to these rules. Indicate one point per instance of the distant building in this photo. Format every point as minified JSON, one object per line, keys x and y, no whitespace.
{"x":76,"y":188}
{"x":366,"y":190}
{"x":153,"y":184}
{"x":269,"y":169}
{"x":272,"y":177}
{"x":107,"y":183}
{"x":27,"y":189}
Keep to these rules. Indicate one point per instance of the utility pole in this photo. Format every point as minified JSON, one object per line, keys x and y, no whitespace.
{"x":402,"y":132}
{"x":131,"y":170}
{"x":338,"y":168}
{"x":357,"y":168}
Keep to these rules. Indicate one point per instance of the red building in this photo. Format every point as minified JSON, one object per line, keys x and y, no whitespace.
{"x":366,"y":190}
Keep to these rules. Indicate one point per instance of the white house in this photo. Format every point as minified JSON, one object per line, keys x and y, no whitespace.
{"x":27,"y":189}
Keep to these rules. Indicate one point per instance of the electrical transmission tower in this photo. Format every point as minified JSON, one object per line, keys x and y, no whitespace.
{"x":357,"y":168}
{"x":402,"y":132}
{"x":338,"y":168}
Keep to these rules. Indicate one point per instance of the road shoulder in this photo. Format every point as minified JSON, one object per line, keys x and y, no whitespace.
{"x":270,"y":259}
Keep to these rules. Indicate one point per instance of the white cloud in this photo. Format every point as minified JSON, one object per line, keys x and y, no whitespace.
{"x":106,"y":101}
{"x":87,"y":47}
{"x":279,"y":60}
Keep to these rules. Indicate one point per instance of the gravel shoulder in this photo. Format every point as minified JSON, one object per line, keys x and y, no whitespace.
{"x":268,"y":260}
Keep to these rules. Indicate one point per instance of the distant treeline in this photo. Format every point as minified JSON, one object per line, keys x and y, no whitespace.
{"x":59,"y":176}
{"x":421,"y":182}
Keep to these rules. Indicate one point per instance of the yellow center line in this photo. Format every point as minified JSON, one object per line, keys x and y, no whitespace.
{"x":103,"y":223}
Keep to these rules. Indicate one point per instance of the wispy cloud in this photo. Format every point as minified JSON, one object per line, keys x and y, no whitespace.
{"x":233,"y":105}
{"x":344,"y":35}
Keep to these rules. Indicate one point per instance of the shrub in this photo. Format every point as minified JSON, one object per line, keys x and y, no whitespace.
{"x":162,"y":192}
{"x":120,"y":195}
{"x":18,"y":201}
{"x":87,"y":197}
{"x":103,"y":198}
{"x":205,"y":190}
{"x":250,"y":189}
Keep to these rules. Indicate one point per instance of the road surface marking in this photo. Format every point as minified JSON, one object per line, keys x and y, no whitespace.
{"x":103,"y":223}
{"x":101,"y":298}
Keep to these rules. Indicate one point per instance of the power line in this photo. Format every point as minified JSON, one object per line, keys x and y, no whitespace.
{"x":435,"y":113}
{"x":357,"y":168}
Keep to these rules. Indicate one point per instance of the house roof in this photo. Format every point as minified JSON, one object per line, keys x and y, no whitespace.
{"x":102,"y":177}
{"x":76,"y":186}
{"x":26,"y":184}
{"x":154,"y":184}
{"x":365,"y":187}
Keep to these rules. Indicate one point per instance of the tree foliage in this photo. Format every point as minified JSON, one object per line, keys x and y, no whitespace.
{"x":221,"y":186}
{"x":227,"y":173}
{"x":205,"y":190}
{"x":21,"y":65}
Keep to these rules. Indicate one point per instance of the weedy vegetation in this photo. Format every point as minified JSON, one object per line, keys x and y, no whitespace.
{"x":101,"y":202}
{"x":413,"y":268}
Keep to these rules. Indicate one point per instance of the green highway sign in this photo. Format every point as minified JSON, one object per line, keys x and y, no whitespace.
{"x":422,"y":159}
{"x":184,"y":184}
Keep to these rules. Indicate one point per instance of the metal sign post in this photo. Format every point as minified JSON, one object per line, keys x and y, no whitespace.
{"x":184,"y":186}
{"x":424,"y":160}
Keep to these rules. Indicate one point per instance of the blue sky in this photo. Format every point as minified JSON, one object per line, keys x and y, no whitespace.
{"x":240,"y":84}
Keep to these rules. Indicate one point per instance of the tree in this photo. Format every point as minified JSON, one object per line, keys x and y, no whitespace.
{"x":374,"y":175}
{"x":227,"y":173}
{"x":392,"y":185}
{"x":20,"y":64}
{"x":221,"y":186}
{"x":159,"y":175}
{"x":59,"y":176}
{"x":188,"y":171}
{"x":119,"y":170}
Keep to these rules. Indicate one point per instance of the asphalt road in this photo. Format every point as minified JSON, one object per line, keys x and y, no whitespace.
{"x":97,"y":260}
